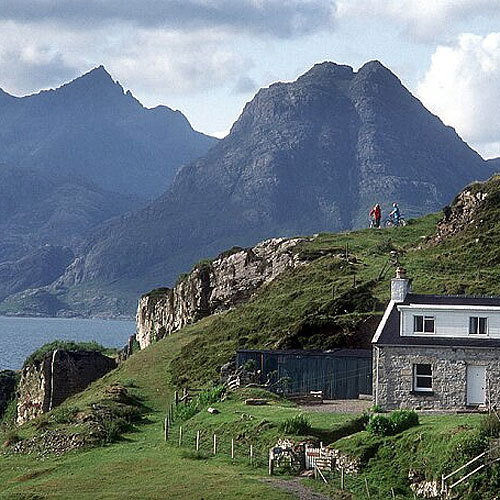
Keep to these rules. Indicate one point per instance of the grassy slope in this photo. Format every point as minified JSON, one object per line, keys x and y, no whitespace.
{"x":283,"y":314}
{"x":305,"y":308}
{"x":141,"y":465}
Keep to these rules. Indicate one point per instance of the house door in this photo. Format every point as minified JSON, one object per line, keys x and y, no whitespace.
{"x":476,"y":385}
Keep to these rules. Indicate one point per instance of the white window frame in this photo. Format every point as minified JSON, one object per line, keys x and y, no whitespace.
{"x":478,"y":324}
{"x":416,"y":376}
{"x":424,"y":319}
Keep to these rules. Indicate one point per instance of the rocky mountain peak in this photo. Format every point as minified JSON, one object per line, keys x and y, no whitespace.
{"x":96,"y":86}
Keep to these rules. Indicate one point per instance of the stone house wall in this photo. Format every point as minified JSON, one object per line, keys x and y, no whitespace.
{"x":393,"y":368}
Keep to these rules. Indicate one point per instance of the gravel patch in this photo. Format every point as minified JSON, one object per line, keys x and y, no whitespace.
{"x":340,"y":406}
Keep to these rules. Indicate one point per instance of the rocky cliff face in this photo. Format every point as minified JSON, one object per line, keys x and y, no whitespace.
{"x":475,"y":207}
{"x":46,"y":383}
{"x":213,"y":286}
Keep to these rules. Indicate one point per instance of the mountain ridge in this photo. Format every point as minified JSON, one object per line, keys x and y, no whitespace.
{"x":91,"y":127}
{"x":304,"y":157}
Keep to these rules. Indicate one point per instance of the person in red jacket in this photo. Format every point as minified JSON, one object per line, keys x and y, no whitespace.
{"x":376,"y":214}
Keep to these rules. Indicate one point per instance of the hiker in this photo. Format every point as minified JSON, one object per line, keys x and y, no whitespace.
{"x":376,"y":213}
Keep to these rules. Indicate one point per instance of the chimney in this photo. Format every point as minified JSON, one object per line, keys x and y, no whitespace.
{"x":400,"y":285}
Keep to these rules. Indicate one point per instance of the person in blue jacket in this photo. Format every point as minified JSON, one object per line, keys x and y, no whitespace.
{"x":395,"y":213}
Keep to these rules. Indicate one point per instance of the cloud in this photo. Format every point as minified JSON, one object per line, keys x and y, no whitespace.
{"x":150,"y":61}
{"x":462,"y":86}
{"x":281,"y":18}
{"x":245,"y":85}
{"x":422,"y":19}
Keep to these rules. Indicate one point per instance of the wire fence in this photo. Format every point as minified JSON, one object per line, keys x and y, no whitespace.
{"x":204,"y":443}
{"x":362,"y":486}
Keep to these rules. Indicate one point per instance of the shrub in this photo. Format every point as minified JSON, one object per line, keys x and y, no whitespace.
{"x":490,"y":426}
{"x":65,"y":415}
{"x":396,"y":422}
{"x":379,"y":425}
{"x":113,"y":428}
{"x":403,"y":419}
{"x":469,"y":444}
{"x":12,"y":437}
{"x":297,"y":425}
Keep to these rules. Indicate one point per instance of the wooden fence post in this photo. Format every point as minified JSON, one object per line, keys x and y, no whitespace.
{"x":197,"y":440}
{"x":271,"y":464}
{"x":215,"y":444}
{"x":176,"y":398}
{"x":232,"y":449}
{"x":367,"y":489}
{"x":251,"y":454}
{"x":166,"y":428}
{"x":342,"y":478}
{"x":180,"y":436}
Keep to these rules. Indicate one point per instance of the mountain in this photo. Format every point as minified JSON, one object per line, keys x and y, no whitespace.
{"x":92,"y":129}
{"x":72,"y":158}
{"x":304,"y":157}
{"x":494,"y":163}
{"x":38,"y":268}
{"x":40,"y":208}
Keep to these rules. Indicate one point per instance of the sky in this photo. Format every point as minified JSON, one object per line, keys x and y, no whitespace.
{"x":207,"y":58}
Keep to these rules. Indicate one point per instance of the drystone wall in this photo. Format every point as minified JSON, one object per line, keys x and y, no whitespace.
{"x":45,"y":384}
{"x":214,"y":286}
{"x":449,"y":376}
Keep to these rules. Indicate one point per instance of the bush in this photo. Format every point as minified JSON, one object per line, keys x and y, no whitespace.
{"x":490,"y":426}
{"x":112,"y":429}
{"x":64,"y":415}
{"x":298,"y":425}
{"x":397,"y":421}
{"x":379,"y":425}
{"x":403,"y":419}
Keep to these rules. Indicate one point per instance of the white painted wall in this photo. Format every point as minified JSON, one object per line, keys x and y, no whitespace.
{"x":450,"y":321}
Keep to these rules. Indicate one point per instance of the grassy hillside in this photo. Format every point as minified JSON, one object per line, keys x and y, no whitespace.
{"x":334,"y":300}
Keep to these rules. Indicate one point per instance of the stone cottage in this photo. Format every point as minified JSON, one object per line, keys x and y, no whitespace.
{"x":436,"y":352}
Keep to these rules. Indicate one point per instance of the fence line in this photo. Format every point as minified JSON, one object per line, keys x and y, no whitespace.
{"x":211,"y":444}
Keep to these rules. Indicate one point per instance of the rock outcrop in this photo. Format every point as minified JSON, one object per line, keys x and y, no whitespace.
{"x":46,"y":383}
{"x":472,"y":208}
{"x":213,"y":286}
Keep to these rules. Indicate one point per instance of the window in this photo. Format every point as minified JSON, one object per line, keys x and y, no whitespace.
{"x":422,"y":378}
{"x":478,"y":325}
{"x":423,"y":324}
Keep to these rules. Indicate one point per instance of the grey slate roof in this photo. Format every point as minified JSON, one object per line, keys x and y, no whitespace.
{"x":339,"y":352}
{"x":390,"y":333}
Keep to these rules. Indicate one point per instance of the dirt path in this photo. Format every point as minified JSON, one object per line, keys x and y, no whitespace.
{"x":295,"y":487}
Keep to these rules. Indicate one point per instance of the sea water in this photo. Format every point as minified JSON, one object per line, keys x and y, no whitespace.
{"x":19,"y":337}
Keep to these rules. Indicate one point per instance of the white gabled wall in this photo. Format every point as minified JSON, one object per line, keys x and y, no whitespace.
{"x":450,"y":321}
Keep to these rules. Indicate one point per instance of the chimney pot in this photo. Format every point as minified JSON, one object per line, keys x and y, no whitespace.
{"x":400,"y":285}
